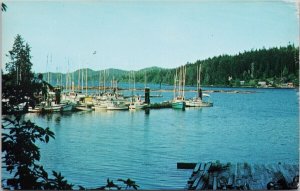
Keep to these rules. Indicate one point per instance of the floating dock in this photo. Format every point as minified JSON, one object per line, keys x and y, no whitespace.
{"x":241,"y":176}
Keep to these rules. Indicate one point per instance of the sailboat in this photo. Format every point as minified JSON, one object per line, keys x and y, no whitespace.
{"x":136,"y":101}
{"x":198,"y":100}
{"x":85,"y":102}
{"x":100,"y":100}
{"x":178,"y":101}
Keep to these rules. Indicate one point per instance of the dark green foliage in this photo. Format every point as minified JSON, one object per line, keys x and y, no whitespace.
{"x":110,"y":184}
{"x":279,"y":64}
{"x":3,"y":7}
{"x":18,"y":85}
{"x":129,"y":183}
{"x":20,"y":155}
{"x":19,"y":67}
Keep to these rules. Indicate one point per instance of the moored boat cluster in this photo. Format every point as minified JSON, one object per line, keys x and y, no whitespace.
{"x":76,"y":101}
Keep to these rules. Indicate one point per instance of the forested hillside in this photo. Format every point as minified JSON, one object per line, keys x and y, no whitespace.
{"x":274,"y":65}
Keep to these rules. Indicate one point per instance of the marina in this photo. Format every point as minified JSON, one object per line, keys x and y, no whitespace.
{"x":150,"y":95}
{"x":155,"y":140}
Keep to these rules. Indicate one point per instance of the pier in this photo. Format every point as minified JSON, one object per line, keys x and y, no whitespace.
{"x":237,"y":176}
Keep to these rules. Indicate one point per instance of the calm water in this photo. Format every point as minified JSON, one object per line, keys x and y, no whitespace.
{"x":91,"y":146}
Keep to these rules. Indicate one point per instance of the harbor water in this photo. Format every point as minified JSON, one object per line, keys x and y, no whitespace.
{"x":89,"y":147}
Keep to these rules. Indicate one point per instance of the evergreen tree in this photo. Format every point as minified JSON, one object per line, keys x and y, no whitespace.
{"x":19,"y":67}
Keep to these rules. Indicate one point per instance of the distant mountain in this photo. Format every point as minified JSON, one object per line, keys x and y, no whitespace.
{"x":274,"y":65}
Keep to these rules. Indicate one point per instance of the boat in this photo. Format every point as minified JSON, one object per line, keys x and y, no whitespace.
{"x":178,"y":102}
{"x":113,"y":105}
{"x":66,"y":107}
{"x":137,"y":104}
{"x":198,"y":100}
{"x":83,"y":108}
{"x":36,"y":109}
{"x":49,"y":109}
{"x":136,"y":101}
{"x":100,"y":105}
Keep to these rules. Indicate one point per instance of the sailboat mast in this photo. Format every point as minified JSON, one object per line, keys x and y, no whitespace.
{"x":86,"y":82}
{"x":180,"y":82}
{"x":67,"y":79}
{"x":47,"y":69}
{"x":104,"y":80}
{"x":133,"y":81}
{"x":57,"y":76}
{"x":99,"y":80}
{"x":200,"y":76}
{"x":79,"y":79}
{"x":82,"y":75}
{"x":175,"y":81}
{"x":183,"y":78}
{"x":145,"y":78}
{"x":61,"y":80}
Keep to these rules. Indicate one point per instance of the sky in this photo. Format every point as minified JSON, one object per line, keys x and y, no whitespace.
{"x":132,"y":35}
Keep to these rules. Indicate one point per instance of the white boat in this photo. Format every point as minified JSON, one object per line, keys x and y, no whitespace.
{"x":198,"y":101}
{"x":116,"y":106}
{"x":83,"y":108}
{"x":195,"y":102}
{"x":46,"y":107}
{"x":179,"y":83}
{"x":137,"y":103}
{"x":100,"y":106}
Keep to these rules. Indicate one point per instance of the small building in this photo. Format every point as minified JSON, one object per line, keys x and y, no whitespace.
{"x":290,"y":84}
{"x":242,"y":83}
{"x":262,"y":84}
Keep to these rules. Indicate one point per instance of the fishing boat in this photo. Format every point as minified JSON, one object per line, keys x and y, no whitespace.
{"x":179,"y":83}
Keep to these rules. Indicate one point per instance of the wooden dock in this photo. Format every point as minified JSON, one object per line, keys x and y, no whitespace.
{"x":220,"y":176}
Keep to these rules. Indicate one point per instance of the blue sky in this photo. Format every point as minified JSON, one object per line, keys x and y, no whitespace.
{"x":137,"y":34}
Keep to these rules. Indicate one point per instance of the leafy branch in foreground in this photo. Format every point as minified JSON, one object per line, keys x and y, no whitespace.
{"x":110,"y":185}
{"x":3,"y":7}
{"x":129,"y":183}
{"x":20,"y":155}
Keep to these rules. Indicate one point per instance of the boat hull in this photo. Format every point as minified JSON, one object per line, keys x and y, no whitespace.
{"x":178,"y":105}
{"x":137,"y":106}
{"x":193,"y":104}
{"x":117,"y":108}
{"x":99,"y":107}
{"x":67,"y":107}
{"x":83,"y":108}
